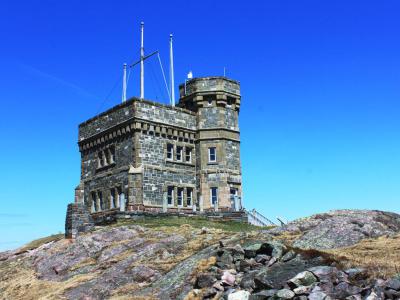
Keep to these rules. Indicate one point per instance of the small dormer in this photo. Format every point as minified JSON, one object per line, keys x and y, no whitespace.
{"x":209,"y":91}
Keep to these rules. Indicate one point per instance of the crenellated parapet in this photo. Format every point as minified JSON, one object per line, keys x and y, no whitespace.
{"x":210,"y":91}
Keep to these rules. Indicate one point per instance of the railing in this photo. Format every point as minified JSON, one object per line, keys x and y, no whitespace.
{"x":257,"y":219}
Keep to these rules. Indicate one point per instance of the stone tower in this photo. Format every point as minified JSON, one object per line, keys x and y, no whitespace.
{"x":141,"y":156}
{"x":216,"y":102}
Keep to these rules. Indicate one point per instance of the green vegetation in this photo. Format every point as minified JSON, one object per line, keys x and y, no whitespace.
{"x":195,"y":222}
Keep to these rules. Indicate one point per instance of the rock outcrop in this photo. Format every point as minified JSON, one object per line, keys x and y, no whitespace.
{"x":189,"y":262}
{"x":244,"y":276}
{"x":340,"y":228}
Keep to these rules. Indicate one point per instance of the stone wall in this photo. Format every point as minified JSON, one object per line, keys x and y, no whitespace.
{"x":78,"y":220}
{"x":104,"y":184}
{"x":159,"y":113}
{"x":218,"y":117}
{"x":158,"y":172}
{"x":232,"y":154}
{"x":112,"y":117}
{"x":124,"y":148}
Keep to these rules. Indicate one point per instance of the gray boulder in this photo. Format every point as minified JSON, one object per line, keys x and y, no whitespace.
{"x":205,"y":280}
{"x":273,"y":248}
{"x":393,"y":284}
{"x":251,"y":250}
{"x":285,"y":294}
{"x":305,"y":278}
{"x":239,"y":295}
{"x":263,"y":295}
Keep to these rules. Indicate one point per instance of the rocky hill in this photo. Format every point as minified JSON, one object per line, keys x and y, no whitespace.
{"x":342,"y":254}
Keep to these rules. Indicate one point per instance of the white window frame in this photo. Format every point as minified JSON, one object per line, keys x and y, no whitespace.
{"x":93,"y":195}
{"x":101,"y":201}
{"x":112,"y":198}
{"x":179,"y":151}
{"x":215,"y":154}
{"x":190,"y":149}
{"x":118,"y":193}
{"x":180,"y":195}
{"x":189,"y":195}
{"x":170,"y":188}
{"x":101,"y":159}
{"x":211,"y":195}
{"x":112,"y":154}
{"x":171,"y":153}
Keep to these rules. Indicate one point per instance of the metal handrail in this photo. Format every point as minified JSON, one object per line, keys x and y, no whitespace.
{"x":259,"y":218}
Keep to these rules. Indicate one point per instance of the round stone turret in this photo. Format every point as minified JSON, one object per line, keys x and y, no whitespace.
{"x":209,"y":91}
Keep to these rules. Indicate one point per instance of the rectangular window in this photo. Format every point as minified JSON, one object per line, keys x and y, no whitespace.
{"x":100,"y":198}
{"x":111,"y":152}
{"x":101,"y":159}
{"x":179,"y":151}
{"x":214,"y":195}
{"x":94,"y":202}
{"x":170,"y":195}
{"x":180,"y":197}
{"x":170,"y":151}
{"x":212,"y":154}
{"x":188,"y":154}
{"x":112,"y":199}
{"x":189,"y":196}
{"x":118,"y":197}
{"x":107,"y":156}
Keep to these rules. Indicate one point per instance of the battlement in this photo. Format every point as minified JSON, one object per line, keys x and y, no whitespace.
{"x":206,"y":92}
{"x":206,"y":85}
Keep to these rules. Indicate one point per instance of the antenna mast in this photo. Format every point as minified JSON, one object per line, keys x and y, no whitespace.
{"x":124,"y":85}
{"x":171,"y":61}
{"x":141,"y":61}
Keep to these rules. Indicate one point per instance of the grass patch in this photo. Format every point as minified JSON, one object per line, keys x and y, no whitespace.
{"x":380,"y":256}
{"x":39,"y":242}
{"x":195,"y":222}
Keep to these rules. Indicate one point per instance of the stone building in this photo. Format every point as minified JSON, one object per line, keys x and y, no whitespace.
{"x":149,"y":157}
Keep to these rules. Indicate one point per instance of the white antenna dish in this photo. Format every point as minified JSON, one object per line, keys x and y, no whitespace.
{"x":190,"y":75}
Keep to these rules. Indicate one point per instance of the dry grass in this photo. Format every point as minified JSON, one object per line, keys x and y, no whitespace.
{"x":205,"y":264}
{"x":19,"y":282}
{"x":39,"y":242}
{"x":381,"y":256}
{"x":288,"y":238}
{"x":194,"y":222}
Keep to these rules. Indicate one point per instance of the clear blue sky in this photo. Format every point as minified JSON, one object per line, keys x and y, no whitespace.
{"x":320,"y":96}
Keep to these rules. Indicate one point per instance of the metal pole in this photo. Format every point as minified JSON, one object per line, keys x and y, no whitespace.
{"x":171,"y":60}
{"x":124,"y":85}
{"x":141,"y":61}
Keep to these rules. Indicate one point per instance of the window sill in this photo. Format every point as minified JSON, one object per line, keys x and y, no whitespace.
{"x":212,"y":163}
{"x":180,"y":162}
